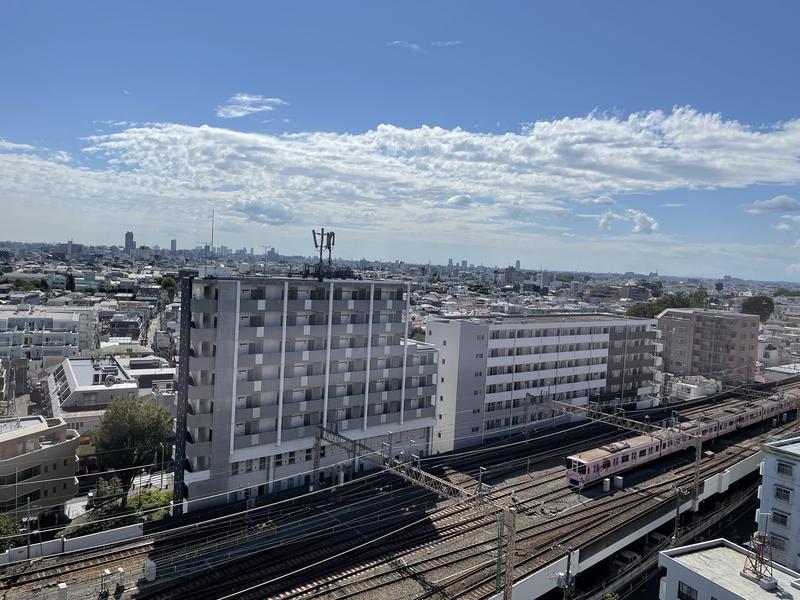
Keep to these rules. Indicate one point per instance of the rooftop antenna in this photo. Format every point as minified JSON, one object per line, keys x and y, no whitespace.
{"x":324,"y":241}
{"x":758,"y":560}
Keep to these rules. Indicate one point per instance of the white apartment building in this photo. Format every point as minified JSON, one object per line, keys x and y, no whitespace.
{"x":81,"y":389}
{"x":37,"y":464}
{"x":494,"y":372}
{"x":712,"y":570}
{"x":272,"y":359}
{"x":779,"y":508}
{"x":36,"y":332}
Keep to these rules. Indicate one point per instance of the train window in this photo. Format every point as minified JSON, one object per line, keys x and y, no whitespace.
{"x":625,"y":458}
{"x":642,"y":453}
{"x":616,"y":461}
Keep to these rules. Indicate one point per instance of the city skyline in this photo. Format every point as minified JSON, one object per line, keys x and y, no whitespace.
{"x":443,"y":132}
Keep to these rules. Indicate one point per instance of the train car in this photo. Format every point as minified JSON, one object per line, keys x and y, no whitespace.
{"x":587,"y":467}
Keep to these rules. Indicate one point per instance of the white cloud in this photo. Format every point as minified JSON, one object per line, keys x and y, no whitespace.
{"x":777,"y":204}
{"x":607,"y":219}
{"x":6,"y":146}
{"x":446,"y":43}
{"x":598,"y":201}
{"x":515,"y":181}
{"x":673,"y":205}
{"x":241,"y":105}
{"x":407,"y":45}
{"x":785,"y":227}
{"x":642,"y":222}
{"x":61,"y":156}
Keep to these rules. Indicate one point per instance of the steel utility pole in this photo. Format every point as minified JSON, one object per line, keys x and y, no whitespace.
{"x":415,"y":475}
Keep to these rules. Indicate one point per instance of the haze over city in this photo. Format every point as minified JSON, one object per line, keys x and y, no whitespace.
{"x":589,"y":136}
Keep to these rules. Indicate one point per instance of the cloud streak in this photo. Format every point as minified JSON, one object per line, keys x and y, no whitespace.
{"x":241,"y":105}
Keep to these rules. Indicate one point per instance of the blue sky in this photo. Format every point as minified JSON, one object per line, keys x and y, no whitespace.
{"x":577,"y":135}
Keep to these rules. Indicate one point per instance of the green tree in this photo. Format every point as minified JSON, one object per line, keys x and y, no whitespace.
{"x":128,"y":435}
{"x":8,"y":529}
{"x":782,"y":291}
{"x":699,"y":298}
{"x":169,"y":285}
{"x":652,"y":308}
{"x":70,"y":282}
{"x":763,"y":306}
{"x":719,"y":286}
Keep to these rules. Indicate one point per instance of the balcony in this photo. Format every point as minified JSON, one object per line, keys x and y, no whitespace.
{"x":196,"y":421}
{"x":197,"y":449}
{"x":204,"y":305}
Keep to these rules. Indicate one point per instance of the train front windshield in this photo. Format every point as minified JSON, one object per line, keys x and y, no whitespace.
{"x":575,"y":465}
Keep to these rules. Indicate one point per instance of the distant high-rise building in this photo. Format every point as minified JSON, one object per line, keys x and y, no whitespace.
{"x":517,"y":264}
{"x":173,"y":246}
{"x":449,"y":263}
{"x":130,"y":244}
{"x":463,"y":264}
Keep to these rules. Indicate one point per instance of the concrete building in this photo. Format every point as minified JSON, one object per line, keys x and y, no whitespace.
{"x":173,"y":246}
{"x":38,"y":462}
{"x":35,"y":332}
{"x":130,"y":244}
{"x":271,"y":359}
{"x":712,"y":570}
{"x":713,"y":343}
{"x":80,"y":389}
{"x":496,"y":373}
{"x":779,"y":509}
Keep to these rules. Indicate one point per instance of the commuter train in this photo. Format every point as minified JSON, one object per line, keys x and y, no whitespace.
{"x":587,"y":467}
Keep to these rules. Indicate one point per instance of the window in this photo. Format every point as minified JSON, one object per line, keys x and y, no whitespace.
{"x":443,"y":360}
{"x":780,"y":518}
{"x":476,"y":411}
{"x":475,"y":429}
{"x":785,"y":468}
{"x":642,"y":453}
{"x":686,"y":592}
{"x":783,"y":494}
{"x":291,"y":458}
{"x":778,"y":542}
{"x":279,"y":460}
{"x":442,"y":379}
{"x":235,"y":469}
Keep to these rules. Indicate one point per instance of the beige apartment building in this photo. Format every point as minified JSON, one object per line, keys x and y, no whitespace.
{"x":38,"y":463}
{"x":712,"y":343}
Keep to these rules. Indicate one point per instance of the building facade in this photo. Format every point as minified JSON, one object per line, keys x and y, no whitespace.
{"x":779,"y":507}
{"x":712,"y":343}
{"x":35,"y":332}
{"x":495,"y":374}
{"x":38,"y":464}
{"x":272,"y":359}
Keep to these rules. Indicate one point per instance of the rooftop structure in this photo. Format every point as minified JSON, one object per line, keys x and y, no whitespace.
{"x":81,"y":388}
{"x":713,"y":569}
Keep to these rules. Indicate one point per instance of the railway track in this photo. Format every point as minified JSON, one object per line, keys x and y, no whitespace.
{"x":449,"y":524}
